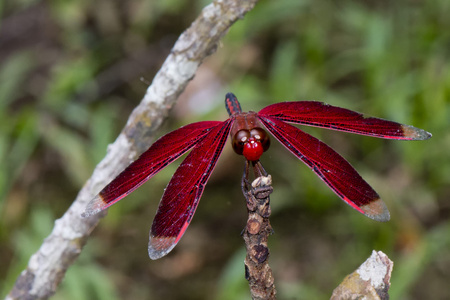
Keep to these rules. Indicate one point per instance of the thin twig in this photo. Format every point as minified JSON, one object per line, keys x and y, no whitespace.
{"x":46,"y":268}
{"x":256,"y":233}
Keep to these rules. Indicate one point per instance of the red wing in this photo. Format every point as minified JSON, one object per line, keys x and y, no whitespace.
{"x":332,"y":168}
{"x":164,"y":151}
{"x":319,"y":114}
{"x":184,"y":190}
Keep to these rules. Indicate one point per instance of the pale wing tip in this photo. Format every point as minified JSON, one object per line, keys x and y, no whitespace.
{"x":415,"y":133}
{"x":95,"y":206}
{"x":376,"y":210}
{"x":159,"y":246}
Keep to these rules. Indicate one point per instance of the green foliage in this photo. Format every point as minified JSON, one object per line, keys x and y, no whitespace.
{"x":231,"y":285}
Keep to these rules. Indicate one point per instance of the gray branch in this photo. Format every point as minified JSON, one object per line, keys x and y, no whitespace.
{"x":370,"y":281}
{"x":46,"y":268}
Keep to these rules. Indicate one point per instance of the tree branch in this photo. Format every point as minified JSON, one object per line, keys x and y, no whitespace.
{"x":370,"y":281}
{"x":46,"y":268}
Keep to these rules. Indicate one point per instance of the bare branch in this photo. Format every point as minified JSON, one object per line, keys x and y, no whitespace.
{"x":370,"y":281}
{"x":59,"y":250}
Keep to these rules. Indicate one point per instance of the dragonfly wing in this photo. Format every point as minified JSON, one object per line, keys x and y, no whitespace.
{"x":164,"y":151}
{"x":332,"y":168}
{"x":319,"y":114}
{"x":181,"y":197}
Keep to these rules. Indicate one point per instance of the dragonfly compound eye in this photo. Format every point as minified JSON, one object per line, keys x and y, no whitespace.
{"x":239,"y":140}
{"x":261,"y":136}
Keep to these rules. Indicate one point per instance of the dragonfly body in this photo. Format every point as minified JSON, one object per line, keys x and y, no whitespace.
{"x":250,"y":138}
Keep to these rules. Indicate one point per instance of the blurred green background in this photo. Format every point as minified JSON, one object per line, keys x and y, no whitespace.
{"x":70,"y":75}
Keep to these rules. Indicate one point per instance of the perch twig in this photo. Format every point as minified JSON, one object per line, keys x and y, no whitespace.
{"x":256,"y":233}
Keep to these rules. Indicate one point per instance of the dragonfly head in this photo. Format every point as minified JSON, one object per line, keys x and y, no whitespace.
{"x":251,"y":143}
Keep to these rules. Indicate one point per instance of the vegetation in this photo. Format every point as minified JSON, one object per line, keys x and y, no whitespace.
{"x":70,"y":73}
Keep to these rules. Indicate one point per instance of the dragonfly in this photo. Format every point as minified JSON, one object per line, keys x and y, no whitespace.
{"x":250,"y":138}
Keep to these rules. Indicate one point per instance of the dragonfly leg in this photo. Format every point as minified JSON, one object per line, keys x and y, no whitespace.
{"x":258,"y":169}
{"x":245,"y":184}
{"x":246,"y":188}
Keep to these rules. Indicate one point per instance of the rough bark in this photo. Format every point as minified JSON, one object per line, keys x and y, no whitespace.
{"x":256,"y":233}
{"x":370,"y":281}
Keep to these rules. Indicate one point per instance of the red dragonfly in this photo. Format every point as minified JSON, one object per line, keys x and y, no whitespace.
{"x":207,"y":139}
